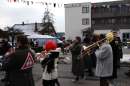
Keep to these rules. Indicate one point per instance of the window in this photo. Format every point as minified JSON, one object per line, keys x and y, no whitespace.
{"x":123,"y":20}
{"x":126,"y":36}
{"x":85,"y":9}
{"x":93,"y":10}
{"x":101,"y":10}
{"x":112,"y":9}
{"x":123,"y":8}
{"x":112,"y":21}
{"x":85,"y":21}
{"x":93,"y":21}
{"x":101,"y":21}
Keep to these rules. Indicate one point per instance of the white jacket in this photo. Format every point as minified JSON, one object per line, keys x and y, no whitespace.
{"x":54,"y":73}
{"x":104,"y":67}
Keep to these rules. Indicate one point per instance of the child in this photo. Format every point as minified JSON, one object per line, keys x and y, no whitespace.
{"x":49,"y":63}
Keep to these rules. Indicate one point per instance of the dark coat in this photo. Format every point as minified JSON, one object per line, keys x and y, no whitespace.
{"x":77,"y":64}
{"x":120,"y":52}
{"x":5,"y":48}
{"x":18,"y":67}
{"x":114,"y":46}
{"x":87,"y":60}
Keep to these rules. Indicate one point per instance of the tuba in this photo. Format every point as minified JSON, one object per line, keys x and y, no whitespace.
{"x":90,"y":49}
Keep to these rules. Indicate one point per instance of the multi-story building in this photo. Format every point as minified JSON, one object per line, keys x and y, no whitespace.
{"x":102,"y":17}
{"x":77,"y":17}
{"x":108,"y":15}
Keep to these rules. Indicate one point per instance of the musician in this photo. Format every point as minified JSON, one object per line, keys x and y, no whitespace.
{"x":49,"y":63}
{"x":114,"y":46}
{"x":120,"y":52}
{"x":87,"y":59}
{"x":5,"y":48}
{"x":19,"y":63}
{"x":104,"y":65}
{"x":77,"y":64}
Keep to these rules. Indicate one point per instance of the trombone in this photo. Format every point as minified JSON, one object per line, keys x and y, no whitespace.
{"x":89,"y":49}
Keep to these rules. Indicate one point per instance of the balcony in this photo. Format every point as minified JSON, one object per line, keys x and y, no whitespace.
{"x":110,"y":14}
{"x":110,"y":26}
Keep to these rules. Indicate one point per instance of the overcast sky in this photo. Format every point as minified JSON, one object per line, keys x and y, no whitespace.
{"x":16,"y":13}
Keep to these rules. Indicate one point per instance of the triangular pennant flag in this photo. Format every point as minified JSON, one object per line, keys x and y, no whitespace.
{"x":28,"y":63}
{"x":32,"y":2}
{"x":59,"y":5}
{"x":24,"y":1}
{"x":119,"y":5}
{"x":45,"y":3}
{"x":103,"y":5}
{"x":15,"y":0}
{"x":54,"y":4}
{"x":42,"y":3}
{"x":27,"y":2}
{"x":8,"y":0}
{"x":95,"y":5}
{"x":127,"y":4}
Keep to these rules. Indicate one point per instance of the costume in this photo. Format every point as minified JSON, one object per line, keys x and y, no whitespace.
{"x":18,"y":66}
{"x":77,"y":64}
{"x":49,"y":63}
{"x":114,"y":46}
{"x":104,"y":54}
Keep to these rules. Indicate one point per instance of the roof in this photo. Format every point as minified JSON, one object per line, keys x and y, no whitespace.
{"x":36,"y":36}
{"x":28,"y":29}
{"x":60,"y":34}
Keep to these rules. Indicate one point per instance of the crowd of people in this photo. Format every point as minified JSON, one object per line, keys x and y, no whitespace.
{"x":18,"y":63}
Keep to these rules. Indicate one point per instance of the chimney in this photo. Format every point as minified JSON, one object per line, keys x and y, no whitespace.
{"x":36,"y":27}
{"x":22,"y":23}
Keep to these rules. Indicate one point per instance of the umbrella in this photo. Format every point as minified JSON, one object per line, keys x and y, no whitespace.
{"x":3,"y":34}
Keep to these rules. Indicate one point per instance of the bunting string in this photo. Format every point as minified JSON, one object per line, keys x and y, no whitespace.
{"x":66,"y":5}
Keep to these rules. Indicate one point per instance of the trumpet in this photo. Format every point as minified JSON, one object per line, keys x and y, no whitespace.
{"x":126,"y":43}
{"x":43,"y":52}
{"x":90,"y":49}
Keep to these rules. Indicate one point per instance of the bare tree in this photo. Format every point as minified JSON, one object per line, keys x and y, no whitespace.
{"x":12,"y":33}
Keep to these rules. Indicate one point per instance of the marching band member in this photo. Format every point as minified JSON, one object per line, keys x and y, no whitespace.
{"x":87,"y":59}
{"x":104,"y":65}
{"x":77,"y":64}
{"x":114,"y":46}
{"x":49,"y":63}
{"x":19,"y":64}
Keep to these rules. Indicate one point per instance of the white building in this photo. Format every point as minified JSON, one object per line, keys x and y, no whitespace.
{"x":77,"y":17}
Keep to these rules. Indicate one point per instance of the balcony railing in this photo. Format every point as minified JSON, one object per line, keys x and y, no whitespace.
{"x":110,"y":14}
{"x":110,"y":26}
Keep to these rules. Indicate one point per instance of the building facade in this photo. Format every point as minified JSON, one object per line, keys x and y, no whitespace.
{"x":101,"y":17}
{"x":77,"y":17}
{"x":108,"y":15}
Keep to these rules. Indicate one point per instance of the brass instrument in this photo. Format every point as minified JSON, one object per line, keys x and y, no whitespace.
{"x":126,"y":43}
{"x":43,"y":52}
{"x":90,"y":49}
